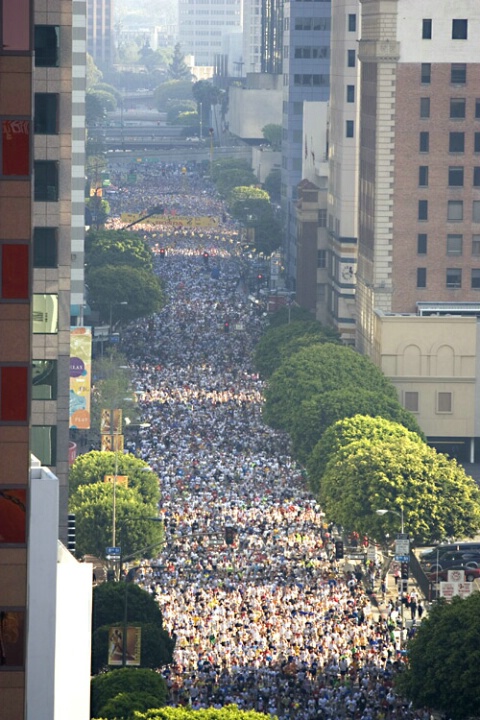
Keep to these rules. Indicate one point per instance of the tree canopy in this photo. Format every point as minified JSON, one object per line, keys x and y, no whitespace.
{"x":228,"y":712}
{"x":126,"y":292}
{"x":172,"y":90}
{"x":318,"y":412}
{"x":273,"y":134}
{"x":134,"y":682}
{"x":443,"y":660}
{"x":314,"y":370}
{"x":228,"y":174}
{"x":286,"y":316}
{"x":375,"y":464}
{"x":178,"y":70}
{"x":117,"y":247}
{"x":279,"y":342}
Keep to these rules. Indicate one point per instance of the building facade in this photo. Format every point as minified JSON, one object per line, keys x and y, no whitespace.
{"x":100,"y":35}
{"x":203,"y":23}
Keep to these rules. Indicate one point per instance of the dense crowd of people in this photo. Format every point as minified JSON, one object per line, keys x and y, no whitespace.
{"x":263,"y":614}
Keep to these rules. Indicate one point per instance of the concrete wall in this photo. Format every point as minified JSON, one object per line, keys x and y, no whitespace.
{"x":250,"y":110}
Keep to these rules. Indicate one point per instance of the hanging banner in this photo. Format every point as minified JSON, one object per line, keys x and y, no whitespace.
{"x":132,"y":654}
{"x":80,"y":377}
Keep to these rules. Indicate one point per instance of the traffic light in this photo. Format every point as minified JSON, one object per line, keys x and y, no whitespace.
{"x":205,"y":257}
{"x":229,"y":534}
{"x":162,"y":253}
{"x":339,"y":552}
{"x":226,"y":327}
{"x":404,"y":570}
{"x":71,"y":533}
{"x":260,"y":278}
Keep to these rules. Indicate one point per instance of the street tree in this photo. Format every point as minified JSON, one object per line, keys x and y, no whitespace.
{"x":137,"y":532}
{"x":345,"y":431}
{"x":273,"y":184}
{"x":123,"y":293}
{"x":137,"y":683}
{"x":178,"y":70}
{"x":156,"y":644}
{"x":117,"y":247}
{"x":318,"y":412}
{"x":172,"y":90}
{"x":94,"y":109}
{"x":288,"y":315}
{"x":443,"y":658}
{"x":273,"y":134}
{"x":403,"y":474}
{"x":228,"y":712}
{"x":279,"y":342}
{"x":175,"y":108}
{"x":314,"y":370}
{"x":205,"y":94}
{"x":92,"y":467}
{"x":99,"y":210}
{"x":229,"y":173}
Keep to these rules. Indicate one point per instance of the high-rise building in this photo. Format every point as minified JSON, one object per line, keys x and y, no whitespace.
{"x":272,"y":37}
{"x":306,"y":77}
{"x":201,"y":26}
{"x":252,"y":36}
{"x":100,"y":36}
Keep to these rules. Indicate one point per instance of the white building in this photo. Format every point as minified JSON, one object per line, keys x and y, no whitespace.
{"x":202,"y":24}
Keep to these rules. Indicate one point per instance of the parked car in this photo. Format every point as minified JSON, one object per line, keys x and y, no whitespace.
{"x":454,"y":560}
{"x":438,"y":552}
{"x":471,"y":574}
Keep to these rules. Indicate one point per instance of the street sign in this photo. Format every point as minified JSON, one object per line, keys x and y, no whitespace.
{"x":402,"y":548}
{"x":113,"y":551}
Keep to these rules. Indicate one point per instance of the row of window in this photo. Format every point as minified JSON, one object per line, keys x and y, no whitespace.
{"x":455,"y":211}
{"x":458,"y":108}
{"x":453,"y":278}
{"x":458,"y":73}
{"x":454,"y":244}
{"x":459,"y":29}
{"x":456,"y":176}
{"x":443,"y":404}
{"x":456,"y":142}
{"x":308,"y":23}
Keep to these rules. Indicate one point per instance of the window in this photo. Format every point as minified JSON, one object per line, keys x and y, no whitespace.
{"x":454,"y":278}
{"x":47,"y":45}
{"x":422,"y":243}
{"x":321,"y":258}
{"x":351,"y":58}
{"x":14,"y":271}
{"x":476,"y":142}
{"x":456,"y":142}
{"x":45,"y":241}
{"x":15,"y":26}
{"x":352,"y":22}
{"x":455,"y":176}
{"x":13,"y":505}
{"x":477,"y":109}
{"x":444,"y":402}
{"x":46,"y":114}
{"x":423,"y":209}
{"x":458,"y":73}
{"x":476,"y":245}
{"x":454,"y":244}
{"x":427,"y":29}
{"x":297,"y":108}
{"x":44,"y":314}
{"x":459,"y":29}
{"x":457,"y":108}
{"x":13,"y":642}
{"x":475,"y":278}
{"x":349,"y":128}
{"x":476,"y":176}
{"x":322,"y":218}
{"x":425,"y":107}
{"x":455,"y":210}
{"x":13,"y":394}
{"x":44,"y":379}
{"x":426,"y":74}
{"x":476,"y":211}
{"x":43,"y":443}
{"x":424,"y":142}
{"x":421,"y":277}
{"x":45,"y":181}
{"x":410,"y":401}
{"x":350,"y":93}
{"x":423,"y":176}
{"x":15,"y":148}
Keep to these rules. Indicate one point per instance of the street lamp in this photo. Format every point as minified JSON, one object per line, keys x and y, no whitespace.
{"x":384,"y":511}
{"x":112,"y":304}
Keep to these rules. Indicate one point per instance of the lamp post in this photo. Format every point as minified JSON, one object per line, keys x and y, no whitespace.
{"x":112,"y":304}
{"x":384,"y":511}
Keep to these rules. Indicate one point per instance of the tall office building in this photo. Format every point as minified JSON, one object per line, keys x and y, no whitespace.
{"x":100,"y":35}
{"x":272,"y":37}
{"x":35,"y":256}
{"x":306,"y":76}
{"x":252,"y":36}
{"x":341,"y":257}
{"x":203,"y":23}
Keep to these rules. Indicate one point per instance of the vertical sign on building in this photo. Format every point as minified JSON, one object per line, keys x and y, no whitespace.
{"x":80,"y":377}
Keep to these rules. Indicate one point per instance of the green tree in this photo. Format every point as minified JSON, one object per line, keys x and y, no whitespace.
{"x":94,"y":109}
{"x":314,"y":370}
{"x":109,"y":605}
{"x":94,"y":75}
{"x":205,"y":94}
{"x":156,"y":644}
{"x":228,"y":173}
{"x":107,"y":100}
{"x":178,"y":70}
{"x":176,"y":107}
{"x":273,"y":134}
{"x":279,"y":342}
{"x":117,"y":247}
{"x":135,"y":527}
{"x":317,"y":413}
{"x":443,"y":659}
{"x":132,"y":681}
{"x":249,"y":204}
{"x":92,"y":467}
{"x":228,"y":712}
{"x":99,"y":210}
{"x":273,"y":184}
{"x":399,"y":472}
{"x":111,"y":285}
{"x":172,"y":90}
{"x":287,"y":316}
